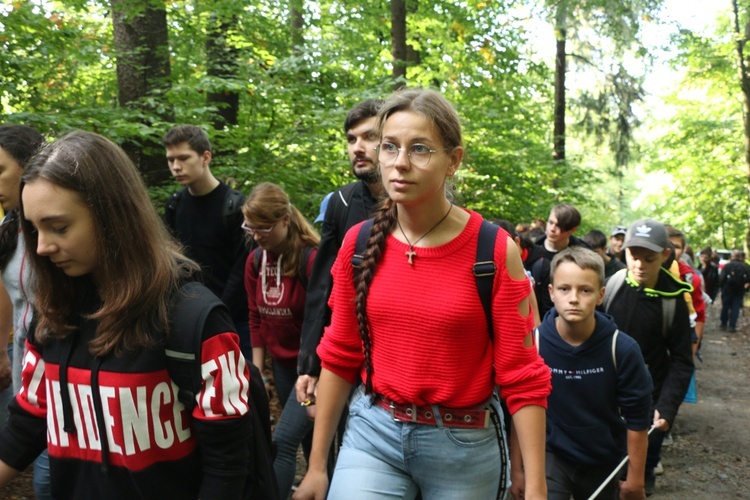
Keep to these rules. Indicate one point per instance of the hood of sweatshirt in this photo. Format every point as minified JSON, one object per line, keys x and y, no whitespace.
{"x":605,"y":326}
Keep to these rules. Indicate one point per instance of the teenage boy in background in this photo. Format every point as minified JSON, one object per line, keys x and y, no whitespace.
{"x":689,"y":276}
{"x":648,"y":303}
{"x":346,"y":207}
{"x":562,"y":222}
{"x":616,"y":240}
{"x":206,"y":217}
{"x":600,"y":407}
{"x":598,"y":242}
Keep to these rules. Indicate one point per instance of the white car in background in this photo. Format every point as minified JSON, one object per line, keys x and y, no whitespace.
{"x":724,"y":256}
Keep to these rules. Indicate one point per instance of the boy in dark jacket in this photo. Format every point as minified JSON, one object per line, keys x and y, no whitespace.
{"x":649,"y":305}
{"x":600,"y":406}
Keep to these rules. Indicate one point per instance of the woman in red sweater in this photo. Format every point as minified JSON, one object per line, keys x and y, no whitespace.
{"x":276,"y":276}
{"x":412,"y":328}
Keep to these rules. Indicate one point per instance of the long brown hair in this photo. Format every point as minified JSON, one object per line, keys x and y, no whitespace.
{"x":140,"y":264}
{"x":436,"y":108}
{"x":268,"y":204}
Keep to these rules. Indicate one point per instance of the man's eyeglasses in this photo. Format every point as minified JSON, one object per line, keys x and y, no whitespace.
{"x":253,"y":230}
{"x":418,"y":154}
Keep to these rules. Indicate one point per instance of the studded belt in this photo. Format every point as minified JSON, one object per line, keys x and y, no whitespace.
{"x":467,"y":418}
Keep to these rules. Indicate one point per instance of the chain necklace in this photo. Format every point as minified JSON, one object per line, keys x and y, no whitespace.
{"x":410,"y":254}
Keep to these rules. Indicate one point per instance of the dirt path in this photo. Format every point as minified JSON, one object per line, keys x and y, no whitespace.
{"x":710,"y":457}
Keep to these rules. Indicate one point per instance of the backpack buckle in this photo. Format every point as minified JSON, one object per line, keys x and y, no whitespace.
{"x":486,"y":268}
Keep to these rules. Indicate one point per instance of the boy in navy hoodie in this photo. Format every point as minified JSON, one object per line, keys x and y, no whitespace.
{"x":600,"y":406}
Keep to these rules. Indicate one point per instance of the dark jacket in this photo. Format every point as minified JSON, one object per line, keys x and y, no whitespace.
{"x":215,"y":240}
{"x":668,"y":355}
{"x":347,"y":207}
{"x":710,"y":275}
{"x":594,"y":402}
{"x":734,"y":277}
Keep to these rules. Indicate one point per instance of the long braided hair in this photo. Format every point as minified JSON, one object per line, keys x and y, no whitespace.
{"x":433,"y":106}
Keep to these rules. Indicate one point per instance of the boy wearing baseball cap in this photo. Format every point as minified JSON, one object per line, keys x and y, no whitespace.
{"x":646,"y":301}
{"x":616,"y":240}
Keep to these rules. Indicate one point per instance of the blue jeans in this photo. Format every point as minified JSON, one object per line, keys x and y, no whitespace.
{"x":243,"y":332}
{"x":383,"y":458}
{"x":292,"y":428}
{"x":284,"y":380}
{"x":731,"y":305}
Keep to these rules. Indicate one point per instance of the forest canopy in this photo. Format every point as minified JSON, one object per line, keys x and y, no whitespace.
{"x":273,"y":81}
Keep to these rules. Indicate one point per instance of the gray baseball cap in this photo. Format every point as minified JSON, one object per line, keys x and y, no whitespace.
{"x":647,"y":233}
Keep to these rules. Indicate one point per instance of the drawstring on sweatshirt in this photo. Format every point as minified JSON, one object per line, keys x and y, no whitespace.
{"x":69,"y":425}
{"x":101,"y":428}
{"x":264,"y":286}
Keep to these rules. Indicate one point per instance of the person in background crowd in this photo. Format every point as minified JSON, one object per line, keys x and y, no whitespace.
{"x":18,"y":144}
{"x":638,"y":307}
{"x":276,"y":277}
{"x":616,"y":240}
{"x":205,"y":216}
{"x":346,"y":207}
{"x":734,"y":281}
{"x":688,"y":275}
{"x":96,"y":390}
{"x":563,"y":221}
{"x":710,"y":272}
{"x":598,"y":242}
{"x":386,"y":331}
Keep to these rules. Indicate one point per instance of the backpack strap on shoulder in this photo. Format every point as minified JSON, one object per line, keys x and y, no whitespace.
{"x":191,"y":305}
{"x":614,"y":348}
{"x":361,"y":244}
{"x":302,"y":271}
{"x":233,"y":202}
{"x":668,"y":307}
{"x":613,"y":284}
{"x":170,"y":209}
{"x":485,"y":269}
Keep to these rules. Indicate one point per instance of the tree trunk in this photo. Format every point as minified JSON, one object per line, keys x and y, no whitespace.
{"x":398,"y":42}
{"x":143,"y":70}
{"x":297,"y":24}
{"x":221,"y":62}
{"x":745,"y":87}
{"x":558,"y":153}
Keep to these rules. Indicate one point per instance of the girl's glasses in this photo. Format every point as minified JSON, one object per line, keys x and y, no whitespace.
{"x":253,"y":230}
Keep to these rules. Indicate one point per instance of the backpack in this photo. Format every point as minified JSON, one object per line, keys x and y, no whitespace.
{"x":302,"y":268}
{"x":615,"y":282}
{"x":484,"y":268}
{"x":190,"y":307}
{"x":735,"y":280}
{"x":232,"y":202}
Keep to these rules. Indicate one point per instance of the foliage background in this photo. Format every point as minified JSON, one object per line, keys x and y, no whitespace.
{"x":678,"y":159}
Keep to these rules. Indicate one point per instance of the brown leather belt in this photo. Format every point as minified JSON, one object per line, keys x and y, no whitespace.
{"x":466,"y":418}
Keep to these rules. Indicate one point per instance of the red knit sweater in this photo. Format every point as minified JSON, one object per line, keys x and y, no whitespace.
{"x":430,"y":342}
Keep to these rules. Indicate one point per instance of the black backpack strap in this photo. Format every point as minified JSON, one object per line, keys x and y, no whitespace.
{"x":302,"y":271}
{"x":485,"y":269}
{"x":232,"y":205}
{"x":191,"y":305}
{"x":170,"y":209}
{"x":361,"y":244}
